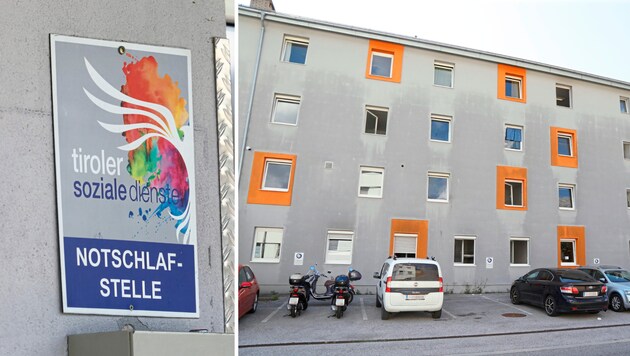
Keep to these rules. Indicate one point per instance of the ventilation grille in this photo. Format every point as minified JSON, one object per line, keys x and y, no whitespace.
{"x":328,"y":165}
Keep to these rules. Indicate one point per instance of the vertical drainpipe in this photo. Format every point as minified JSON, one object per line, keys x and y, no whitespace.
{"x":251,"y":97}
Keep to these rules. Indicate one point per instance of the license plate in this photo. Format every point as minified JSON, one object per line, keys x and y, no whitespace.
{"x":414,"y":297}
{"x":293,"y":301}
{"x":340,"y":302}
{"x":590,"y":294}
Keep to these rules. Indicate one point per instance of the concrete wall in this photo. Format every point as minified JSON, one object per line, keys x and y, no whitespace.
{"x":32,"y":322}
{"x":334,"y":94}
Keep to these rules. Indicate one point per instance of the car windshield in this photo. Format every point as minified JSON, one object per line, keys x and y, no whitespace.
{"x":618,"y":276}
{"x":415,"y":272}
{"x":574,"y":277}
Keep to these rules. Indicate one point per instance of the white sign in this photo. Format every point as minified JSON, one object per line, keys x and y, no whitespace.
{"x":596,"y":261}
{"x":489,"y":262}
{"x":298,"y":259}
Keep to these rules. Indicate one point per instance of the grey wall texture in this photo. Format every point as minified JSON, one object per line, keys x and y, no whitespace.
{"x":31,"y":318}
{"x":334,"y":92}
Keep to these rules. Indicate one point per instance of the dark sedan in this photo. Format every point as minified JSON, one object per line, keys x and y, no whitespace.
{"x":560,"y":290}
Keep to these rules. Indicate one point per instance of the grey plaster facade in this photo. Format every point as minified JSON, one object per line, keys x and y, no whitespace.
{"x":32,"y":322}
{"x":334,"y":92}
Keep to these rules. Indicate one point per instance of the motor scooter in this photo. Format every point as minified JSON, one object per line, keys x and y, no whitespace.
{"x":312,"y":278}
{"x":299,"y":294}
{"x":343,"y":291}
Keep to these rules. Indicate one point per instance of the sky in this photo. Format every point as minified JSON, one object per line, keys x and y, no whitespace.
{"x":585,"y":35}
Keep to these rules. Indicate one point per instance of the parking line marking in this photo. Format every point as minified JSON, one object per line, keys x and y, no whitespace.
{"x":449,"y":314}
{"x":274,"y":313}
{"x":363,"y":309}
{"x":507,"y":305}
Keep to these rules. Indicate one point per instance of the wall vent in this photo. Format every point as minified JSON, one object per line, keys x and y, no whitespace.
{"x":328,"y":165}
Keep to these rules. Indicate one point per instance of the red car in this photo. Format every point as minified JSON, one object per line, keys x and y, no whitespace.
{"x":247,"y":291}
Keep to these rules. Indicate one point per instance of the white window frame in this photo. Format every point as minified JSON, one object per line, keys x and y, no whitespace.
{"x":627,"y":101}
{"x":570,"y":89}
{"x":372,"y":169}
{"x":350,"y":234}
{"x":628,"y":198}
{"x":442,"y":118}
{"x":512,"y":239}
{"x":511,"y":126}
{"x":512,"y":192}
{"x":293,"y":99}
{"x":574,"y":242}
{"x":368,"y":108}
{"x":297,"y":40}
{"x":570,"y":137}
{"x":406,"y":235}
{"x":385,"y":55}
{"x":267,"y":260}
{"x":465,"y":237}
{"x":623,"y":145}
{"x":448,"y":183}
{"x":571,"y":187}
{"x":276,"y":161}
{"x":520,"y":86}
{"x":444,"y":65}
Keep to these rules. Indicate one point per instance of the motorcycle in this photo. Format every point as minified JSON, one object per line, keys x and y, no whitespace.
{"x":299,"y":294}
{"x":343,"y":292}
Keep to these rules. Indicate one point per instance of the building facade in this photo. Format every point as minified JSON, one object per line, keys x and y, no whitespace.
{"x":358,"y":144}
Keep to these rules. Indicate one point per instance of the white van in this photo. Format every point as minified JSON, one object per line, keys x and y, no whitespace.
{"x":409,"y":284}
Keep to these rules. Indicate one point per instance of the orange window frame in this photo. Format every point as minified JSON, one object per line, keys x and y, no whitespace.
{"x":561,"y":160}
{"x":415,"y":227}
{"x":505,"y":71}
{"x":506,"y":173}
{"x":573,"y":233}
{"x":392,"y":49}
{"x":258,"y":195}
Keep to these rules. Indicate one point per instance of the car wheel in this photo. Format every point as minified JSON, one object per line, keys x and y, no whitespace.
{"x":616,"y":303}
{"x":384,"y":314}
{"x":436,"y":314}
{"x":378,"y":302}
{"x":551,"y":307}
{"x":515,"y":296}
{"x":255,"y":305}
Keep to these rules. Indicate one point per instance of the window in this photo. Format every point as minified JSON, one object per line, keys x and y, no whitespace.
{"x":271,"y":179}
{"x":567,"y":252}
{"x":564,"y":147}
{"x":623,"y":104}
{"x":513,"y":87}
{"x":628,"y":198}
{"x":384,"y":61}
{"x":513,"y":193}
{"x":563,"y":95}
{"x":285,"y":109}
{"x":519,"y":251}
{"x":277,"y":175}
{"x":441,"y":128}
{"x":511,"y":84}
{"x":443,"y":74}
{"x":465,"y":250}
{"x":513,"y":137}
{"x":405,"y":245}
{"x":438,"y":187}
{"x":339,"y":247}
{"x":626,"y":150}
{"x":267,"y":243}
{"x":294,"y":50}
{"x":565,"y":196}
{"x":376,"y":120}
{"x":371,"y":182}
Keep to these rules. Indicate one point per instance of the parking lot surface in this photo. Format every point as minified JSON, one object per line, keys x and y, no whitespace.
{"x":463,"y":316}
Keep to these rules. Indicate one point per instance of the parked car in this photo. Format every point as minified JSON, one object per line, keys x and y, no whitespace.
{"x":560,"y":290}
{"x":617,"y":282}
{"x":409,"y":284}
{"x":248,"y":291}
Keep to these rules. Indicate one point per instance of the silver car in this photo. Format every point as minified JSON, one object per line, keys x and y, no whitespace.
{"x":617,"y":282}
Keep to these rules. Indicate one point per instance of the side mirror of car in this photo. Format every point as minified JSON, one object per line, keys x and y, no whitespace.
{"x":245,"y":285}
{"x":377,"y":275}
{"x":603,"y":280}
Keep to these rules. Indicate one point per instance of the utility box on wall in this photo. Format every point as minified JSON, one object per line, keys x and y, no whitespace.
{"x":147,"y":343}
